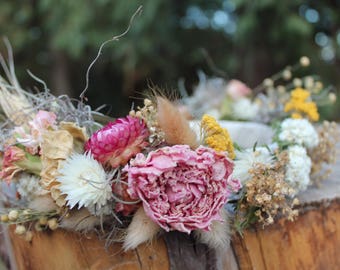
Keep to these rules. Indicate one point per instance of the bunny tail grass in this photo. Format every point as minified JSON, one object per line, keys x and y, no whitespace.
{"x":140,"y":230}
{"x":174,"y":125}
{"x":219,"y":235}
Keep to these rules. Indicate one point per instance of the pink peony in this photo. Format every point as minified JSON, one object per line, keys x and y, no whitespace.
{"x":237,"y":89}
{"x":117,"y":142}
{"x":12,"y":154}
{"x":181,"y":189}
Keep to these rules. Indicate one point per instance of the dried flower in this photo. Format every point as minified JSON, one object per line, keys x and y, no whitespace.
{"x":287,"y":74}
{"x":268,"y":82}
{"x":299,"y":105}
{"x":57,"y":145}
{"x":117,"y":142}
{"x":28,"y":187}
{"x":180,"y":188}
{"x":84,"y":182}
{"x":298,"y":131}
{"x":324,"y":154}
{"x":12,"y":155}
{"x":13,"y":215}
{"x":237,"y":89}
{"x":246,"y":159}
{"x":4,"y":218}
{"x":128,"y":205}
{"x":244,"y":109}
{"x":52,"y":224}
{"x":297,"y":82}
{"x":28,"y":236}
{"x":32,"y":139}
{"x":304,"y":61}
{"x":298,"y":168}
{"x":148,"y":113}
{"x":266,"y":194}
{"x":217,"y":137}
{"x":20,"y":229}
{"x":332,"y":97}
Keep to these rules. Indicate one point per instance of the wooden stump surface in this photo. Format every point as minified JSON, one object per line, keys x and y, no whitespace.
{"x":62,"y":250}
{"x":312,"y":241}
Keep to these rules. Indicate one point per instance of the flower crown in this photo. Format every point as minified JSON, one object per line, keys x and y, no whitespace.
{"x":65,"y":165}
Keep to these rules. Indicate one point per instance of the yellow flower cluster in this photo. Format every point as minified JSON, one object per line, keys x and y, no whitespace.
{"x":217,"y":137}
{"x":299,"y":105}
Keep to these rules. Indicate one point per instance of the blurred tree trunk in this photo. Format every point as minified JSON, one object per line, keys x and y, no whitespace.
{"x":60,"y":74}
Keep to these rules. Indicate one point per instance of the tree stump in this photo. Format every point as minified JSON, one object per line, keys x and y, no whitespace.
{"x":312,"y":241}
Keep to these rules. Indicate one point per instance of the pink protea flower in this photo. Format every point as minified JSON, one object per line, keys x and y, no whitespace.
{"x":117,"y":142}
{"x":12,"y":154}
{"x":180,"y":188}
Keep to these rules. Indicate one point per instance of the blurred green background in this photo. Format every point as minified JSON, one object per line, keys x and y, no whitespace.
{"x":247,"y":40}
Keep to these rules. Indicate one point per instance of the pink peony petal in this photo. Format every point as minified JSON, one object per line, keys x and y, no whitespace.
{"x":182,"y":189}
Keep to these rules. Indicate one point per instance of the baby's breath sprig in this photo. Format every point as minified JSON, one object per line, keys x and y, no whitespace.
{"x":149,"y":115}
{"x":265,"y":195}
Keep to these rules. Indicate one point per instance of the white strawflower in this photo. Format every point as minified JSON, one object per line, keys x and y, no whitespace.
{"x":244,"y":109}
{"x":245,"y":160}
{"x":299,"y":131}
{"x":84,"y":182}
{"x":298,"y":168}
{"x":28,"y":186}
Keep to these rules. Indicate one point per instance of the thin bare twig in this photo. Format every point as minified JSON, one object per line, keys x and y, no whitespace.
{"x":115,"y":38}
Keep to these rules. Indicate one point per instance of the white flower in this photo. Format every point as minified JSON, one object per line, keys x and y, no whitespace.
{"x":246,"y":159}
{"x":299,"y":131}
{"x":84,"y":182}
{"x":244,"y":109}
{"x":28,"y":187}
{"x":298,"y":168}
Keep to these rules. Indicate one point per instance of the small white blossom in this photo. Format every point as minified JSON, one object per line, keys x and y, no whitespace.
{"x":244,"y":109}
{"x":246,"y":159}
{"x":84,"y":182}
{"x":298,"y":168}
{"x":299,"y":131}
{"x":28,"y":187}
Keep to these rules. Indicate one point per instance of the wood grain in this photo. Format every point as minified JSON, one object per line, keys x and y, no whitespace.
{"x":67,"y":250}
{"x":311,"y":242}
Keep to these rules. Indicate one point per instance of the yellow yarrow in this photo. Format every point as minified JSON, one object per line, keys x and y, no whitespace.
{"x":299,"y":105}
{"x":216,"y":137}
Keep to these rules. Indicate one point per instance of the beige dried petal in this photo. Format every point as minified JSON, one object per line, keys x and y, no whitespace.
{"x":57,"y":196}
{"x":48,"y":173}
{"x":77,"y":132}
{"x":57,"y":144}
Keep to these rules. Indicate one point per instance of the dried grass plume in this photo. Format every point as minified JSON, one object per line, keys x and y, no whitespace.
{"x":174,"y":125}
{"x":140,"y":230}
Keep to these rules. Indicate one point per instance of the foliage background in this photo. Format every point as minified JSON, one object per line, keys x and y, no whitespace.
{"x":247,"y":40}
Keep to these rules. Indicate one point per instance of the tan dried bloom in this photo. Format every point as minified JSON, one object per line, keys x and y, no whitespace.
{"x":20,"y":229}
{"x":149,"y":114}
{"x":58,"y":145}
{"x":267,"y":191}
{"x":52,"y":224}
{"x":324,"y":154}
